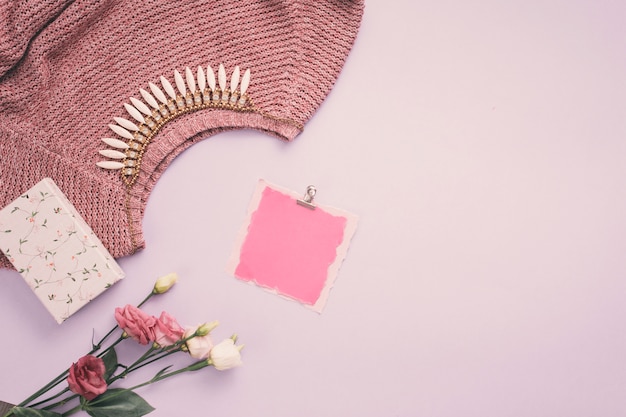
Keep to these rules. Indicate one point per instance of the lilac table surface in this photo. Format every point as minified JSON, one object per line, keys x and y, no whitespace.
{"x":483,"y":145}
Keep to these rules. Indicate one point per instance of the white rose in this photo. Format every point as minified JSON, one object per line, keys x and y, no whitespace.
{"x":225,"y":355}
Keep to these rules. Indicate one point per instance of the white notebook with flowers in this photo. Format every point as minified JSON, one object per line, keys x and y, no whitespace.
{"x":55,"y":251}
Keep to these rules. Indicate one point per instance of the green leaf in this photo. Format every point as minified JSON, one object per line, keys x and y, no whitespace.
{"x":118,"y":402}
{"x":33,"y":412}
{"x":110,"y":363}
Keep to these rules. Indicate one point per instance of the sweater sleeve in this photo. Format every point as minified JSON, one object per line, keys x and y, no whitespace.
{"x":21,"y":21}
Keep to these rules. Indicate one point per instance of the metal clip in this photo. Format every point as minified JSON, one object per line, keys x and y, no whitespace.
{"x":307,"y":200}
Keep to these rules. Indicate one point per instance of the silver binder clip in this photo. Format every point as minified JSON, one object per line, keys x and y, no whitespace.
{"x":307,"y":200}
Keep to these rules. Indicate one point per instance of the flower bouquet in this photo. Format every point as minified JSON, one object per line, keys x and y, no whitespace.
{"x":89,"y":381}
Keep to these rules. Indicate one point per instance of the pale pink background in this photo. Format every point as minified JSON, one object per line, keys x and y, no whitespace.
{"x":483,"y":145}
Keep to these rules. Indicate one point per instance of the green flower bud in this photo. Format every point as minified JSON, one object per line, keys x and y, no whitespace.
{"x":206,"y":328}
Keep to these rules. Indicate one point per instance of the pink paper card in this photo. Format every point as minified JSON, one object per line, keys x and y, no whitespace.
{"x":290,"y":249}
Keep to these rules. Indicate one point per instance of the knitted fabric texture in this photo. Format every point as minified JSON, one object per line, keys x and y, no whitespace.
{"x":68,"y":67}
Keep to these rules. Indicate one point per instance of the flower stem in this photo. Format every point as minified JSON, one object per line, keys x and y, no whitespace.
{"x":145,"y":300}
{"x":190,"y":368}
{"x":59,"y":403}
{"x":57,"y":395}
{"x":152,"y":358}
{"x":135,"y":365}
{"x":73,"y":410}
{"x":45,"y":388}
{"x":104,"y":352}
{"x":97,"y":346}
{"x":193,"y":367}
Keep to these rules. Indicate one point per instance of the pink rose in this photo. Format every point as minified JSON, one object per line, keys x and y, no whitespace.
{"x":167,"y":330}
{"x":137,"y":324}
{"x":86,"y":377}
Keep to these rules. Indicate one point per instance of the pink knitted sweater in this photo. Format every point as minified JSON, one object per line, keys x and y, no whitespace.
{"x":68,"y":70}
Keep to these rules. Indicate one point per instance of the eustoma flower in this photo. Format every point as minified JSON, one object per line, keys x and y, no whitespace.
{"x":167,"y":331}
{"x":86,"y":377}
{"x":136,"y":324}
{"x":90,"y":379}
{"x":225,"y":355}
{"x":199,"y":342}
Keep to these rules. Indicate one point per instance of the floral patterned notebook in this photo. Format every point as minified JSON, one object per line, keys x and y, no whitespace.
{"x":55,"y":251}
